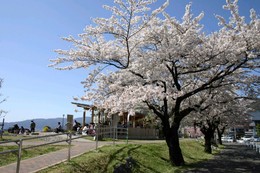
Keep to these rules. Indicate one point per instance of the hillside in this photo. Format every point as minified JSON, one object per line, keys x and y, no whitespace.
{"x":40,"y":123}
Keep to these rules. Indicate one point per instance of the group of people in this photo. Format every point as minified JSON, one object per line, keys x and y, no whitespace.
{"x":88,"y":129}
{"x":21,"y":130}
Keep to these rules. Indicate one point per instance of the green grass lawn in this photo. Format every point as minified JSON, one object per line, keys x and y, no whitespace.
{"x":8,"y":158}
{"x":148,"y":158}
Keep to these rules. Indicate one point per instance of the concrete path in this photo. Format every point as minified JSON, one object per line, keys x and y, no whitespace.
{"x":35,"y":164}
{"x":235,"y":158}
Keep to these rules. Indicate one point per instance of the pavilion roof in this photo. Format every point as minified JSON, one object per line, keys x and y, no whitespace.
{"x":84,"y":106}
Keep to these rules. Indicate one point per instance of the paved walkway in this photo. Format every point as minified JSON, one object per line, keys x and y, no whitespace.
{"x":235,"y":158}
{"x":43,"y":161}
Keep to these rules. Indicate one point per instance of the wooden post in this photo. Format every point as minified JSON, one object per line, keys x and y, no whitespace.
{"x":69,"y":150}
{"x":84,"y":118}
{"x":92,"y":115}
{"x":2,"y":128}
{"x":19,"y":156}
{"x":96,"y":135}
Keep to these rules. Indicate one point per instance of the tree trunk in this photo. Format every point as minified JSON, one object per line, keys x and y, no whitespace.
{"x":220,"y":133}
{"x":219,"y":137}
{"x":208,"y":135}
{"x":172,"y":140}
{"x":208,"y":131}
{"x":207,"y":147}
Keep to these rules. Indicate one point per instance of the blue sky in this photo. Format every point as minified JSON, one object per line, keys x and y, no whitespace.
{"x":31,"y":29}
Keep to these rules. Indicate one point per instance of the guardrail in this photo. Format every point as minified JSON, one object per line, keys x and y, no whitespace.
{"x":19,"y":142}
{"x":101,"y":132}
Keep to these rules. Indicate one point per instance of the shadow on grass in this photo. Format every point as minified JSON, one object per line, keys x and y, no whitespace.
{"x":121,"y":160}
{"x":139,"y":164}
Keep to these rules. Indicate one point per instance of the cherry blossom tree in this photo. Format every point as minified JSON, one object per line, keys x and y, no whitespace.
{"x":138,"y":58}
{"x":231,"y":118}
{"x":227,"y":110}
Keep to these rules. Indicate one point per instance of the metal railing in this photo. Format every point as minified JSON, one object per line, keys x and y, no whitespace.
{"x":100,"y":132}
{"x":19,"y":142}
{"x":113,"y":133}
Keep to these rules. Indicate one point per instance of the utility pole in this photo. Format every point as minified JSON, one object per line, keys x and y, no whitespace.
{"x":2,"y":129}
{"x":63,"y":121}
{"x":3,"y":123}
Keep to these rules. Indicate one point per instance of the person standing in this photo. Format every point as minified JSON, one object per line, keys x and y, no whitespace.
{"x":33,"y":125}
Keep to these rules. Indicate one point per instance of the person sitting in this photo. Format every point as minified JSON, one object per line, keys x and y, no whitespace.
{"x":16,"y":129}
{"x":76,"y":126}
{"x":59,"y":128}
{"x":85,"y":130}
{"x":22,"y":130}
{"x":91,"y":130}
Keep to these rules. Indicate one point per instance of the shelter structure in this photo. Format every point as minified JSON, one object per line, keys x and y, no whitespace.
{"x":135,"y":124}
{"x":98,"y":116}
{"x":85,"y":108}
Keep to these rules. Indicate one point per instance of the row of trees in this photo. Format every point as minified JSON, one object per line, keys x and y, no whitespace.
{"x":228,"y":110}
{"x":170,"y":66}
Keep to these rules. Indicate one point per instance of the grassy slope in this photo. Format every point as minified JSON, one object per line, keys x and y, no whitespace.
{"x":8,"y":158}
{"x":148,"y":157}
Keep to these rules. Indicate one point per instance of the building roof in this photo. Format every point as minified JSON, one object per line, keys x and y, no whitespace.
{"x":84,"y":106}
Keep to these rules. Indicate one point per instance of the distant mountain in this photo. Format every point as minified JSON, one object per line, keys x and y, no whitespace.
{"x":40,"y":123}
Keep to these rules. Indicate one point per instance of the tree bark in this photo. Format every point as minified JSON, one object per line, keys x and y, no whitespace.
{"x":208,"y":135}
{"x":172,"y":140}
{"x":171,"y":129}
{"x":207,"y":147}
{"x":220,"y":133}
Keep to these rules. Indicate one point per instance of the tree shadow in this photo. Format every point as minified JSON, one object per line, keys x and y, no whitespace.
{"x":112,"y":157}
{"x":233,"y":159}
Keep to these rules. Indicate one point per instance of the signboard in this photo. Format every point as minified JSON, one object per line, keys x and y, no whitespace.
{"x":69,"y":122}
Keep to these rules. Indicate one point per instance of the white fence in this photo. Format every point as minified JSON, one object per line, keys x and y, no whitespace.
{"x":128,"y":133}
{"x":254,"y":145}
